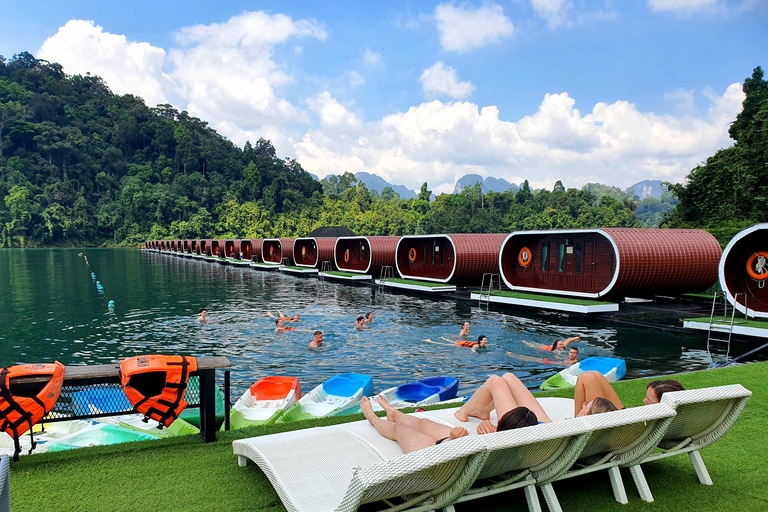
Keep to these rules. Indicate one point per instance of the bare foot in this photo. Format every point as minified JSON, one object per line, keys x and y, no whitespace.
{"x":464,"y":416}
{"x":365,"y":406}
{"x":385,"y":405}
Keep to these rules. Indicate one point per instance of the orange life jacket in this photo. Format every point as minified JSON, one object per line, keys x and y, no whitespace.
{"x":467,"y":343}
{"x":155,"y":385}
{"x":19,"y":413}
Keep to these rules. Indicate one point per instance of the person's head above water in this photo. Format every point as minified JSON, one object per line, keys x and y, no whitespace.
{"x":558,"y":345}
{"x":369,"y":316}
{"x":482,"y":340}
{"x":360,"y":320}
{"x":573,"y":353}
{"x":279,"y":322}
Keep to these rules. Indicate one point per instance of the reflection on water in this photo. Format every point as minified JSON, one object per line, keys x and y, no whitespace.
{"x":53,"y":311}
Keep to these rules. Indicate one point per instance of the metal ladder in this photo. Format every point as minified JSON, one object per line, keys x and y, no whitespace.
{"x":723,"y":322}
{"x":492,"y":278}
{"x":387,"y":272}
{"x":325,"y":266}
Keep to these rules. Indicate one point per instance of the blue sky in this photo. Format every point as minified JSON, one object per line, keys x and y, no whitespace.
{"x":609,"y":91}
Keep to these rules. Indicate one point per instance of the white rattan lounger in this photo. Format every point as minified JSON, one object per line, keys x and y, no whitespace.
{"x":334,"y":469}
{"x":619,"y":439}
{"x":703,"y":416}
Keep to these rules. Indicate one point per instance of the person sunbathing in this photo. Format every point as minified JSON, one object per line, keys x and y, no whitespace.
{"x":505,"y":393}
{"x":592,"y":384}
{"x":413,"y":433}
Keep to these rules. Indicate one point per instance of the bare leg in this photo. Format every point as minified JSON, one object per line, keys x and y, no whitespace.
{"x":523,"y":397}
{"x":409,"y":438}
{"x":591,"y":385}
{"x":423,"y":425}
{"x":494,"y":391}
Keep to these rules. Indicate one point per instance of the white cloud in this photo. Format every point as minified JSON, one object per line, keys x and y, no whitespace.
{"x":682,"y":100}
{"x":463,"y":28}
{"x":127,"y":67}
{"x":438,"y":142}
{"x":442,"y":80}
{"x":331,"y":113}
{"x":680,"y":6}
{"x":554,"y":11}
{"x":226,"y":71}
{"x":372,"y":58}
{"x":356,"y":79}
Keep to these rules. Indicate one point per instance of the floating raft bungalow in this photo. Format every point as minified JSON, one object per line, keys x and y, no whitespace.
{"x":274,"y":250}
{"x":310,"y":253}
{"x":360,"y":258}
{"x":743,"y":271}
{"x":610,"y":263}
{"x":450,"y":260}
{"x":251,"y":249}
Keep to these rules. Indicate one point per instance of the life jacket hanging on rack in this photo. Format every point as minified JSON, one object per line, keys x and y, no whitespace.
{"x":155,"y":385}
{"x":21,"y":408}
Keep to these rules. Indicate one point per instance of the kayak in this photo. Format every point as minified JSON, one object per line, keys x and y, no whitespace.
{"x":192,"y":395}
{"x":336,"y":396}
{"x":96,"y":435}
{"x":420,"y":393}
{"x":612,"y":368}
{"x":265,"y":401}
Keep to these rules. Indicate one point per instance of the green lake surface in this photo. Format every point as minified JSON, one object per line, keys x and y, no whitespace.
{"x":52,"y":310}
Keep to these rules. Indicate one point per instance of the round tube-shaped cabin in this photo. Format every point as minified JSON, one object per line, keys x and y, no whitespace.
{"x":187,"y":246}
{"x":232,"y":248}
{"x":247,"y":247}
{"x":220,"y":247}
{"x":610,"y":262}
{"x":206,"y":246}
{"x":273,"y":250}
{"x":193,"y":246}
{"x":365,"y":254}
{"x":743,"y":271}
{"x":312,"y":251}
{"x":457,"y":258}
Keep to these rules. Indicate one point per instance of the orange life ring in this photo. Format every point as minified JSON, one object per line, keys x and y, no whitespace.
{"x":524,"y":258}
{"x":750,"y":268}
{"x":346,"y":256}
{"x":412,"y":254}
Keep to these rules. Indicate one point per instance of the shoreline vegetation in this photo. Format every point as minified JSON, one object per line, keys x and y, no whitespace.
{"x":82,"y":166}
{"x":184,"y":473}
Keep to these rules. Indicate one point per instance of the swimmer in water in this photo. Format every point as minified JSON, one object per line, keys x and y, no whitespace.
{"x":557,"y":345}
{"x":203,"y":315}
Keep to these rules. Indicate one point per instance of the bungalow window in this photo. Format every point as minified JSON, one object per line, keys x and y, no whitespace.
{"x":544,"y":256}
{"x":579,"y":252}
{"x":561,"y":258}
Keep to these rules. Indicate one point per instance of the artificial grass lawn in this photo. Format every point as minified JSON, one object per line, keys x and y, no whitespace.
{"x":427,"y":284}
{"x":545,"y":298}
{"x":186,"y":474}
{"x":752,"y":322}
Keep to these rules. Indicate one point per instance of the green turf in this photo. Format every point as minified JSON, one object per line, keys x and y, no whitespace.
{"x":184,"y":473}
{"x":297,"y":268}
{"x":341,"y":274}
{"x":756,"y":324}
{"x":546,"y":298}
{"x":413,"y":282}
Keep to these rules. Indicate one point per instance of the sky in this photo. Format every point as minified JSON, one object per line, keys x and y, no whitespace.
{"x":582,"y":91}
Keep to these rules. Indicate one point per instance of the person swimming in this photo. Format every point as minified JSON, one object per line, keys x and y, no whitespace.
{"x":294,"y":318}
{"x":557,"y":345}
{"x":480,"y":344}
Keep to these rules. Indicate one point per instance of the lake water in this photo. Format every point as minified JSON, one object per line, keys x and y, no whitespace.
{"x":52,"y":310}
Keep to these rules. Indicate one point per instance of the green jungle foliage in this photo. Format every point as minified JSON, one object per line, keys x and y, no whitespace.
{"x":730,"y":191}
{"x":80,"y":165}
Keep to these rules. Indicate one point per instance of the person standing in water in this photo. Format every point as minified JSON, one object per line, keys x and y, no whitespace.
{"x":203,"y":316}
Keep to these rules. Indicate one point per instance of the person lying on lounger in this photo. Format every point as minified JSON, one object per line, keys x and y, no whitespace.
{"x":413,"y":433}
{"x":593,"y":384}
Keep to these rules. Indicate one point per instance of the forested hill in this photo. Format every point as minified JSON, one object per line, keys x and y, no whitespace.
{"x":730,"y":191}
{"x":81,"y":165}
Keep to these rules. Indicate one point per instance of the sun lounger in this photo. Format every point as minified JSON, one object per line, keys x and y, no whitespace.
{"x":703,"y":416}
{"x":618,"y":439}
{"x":356,"y":469}
{"x":5,"y":483}
{"x":360,"y":466}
